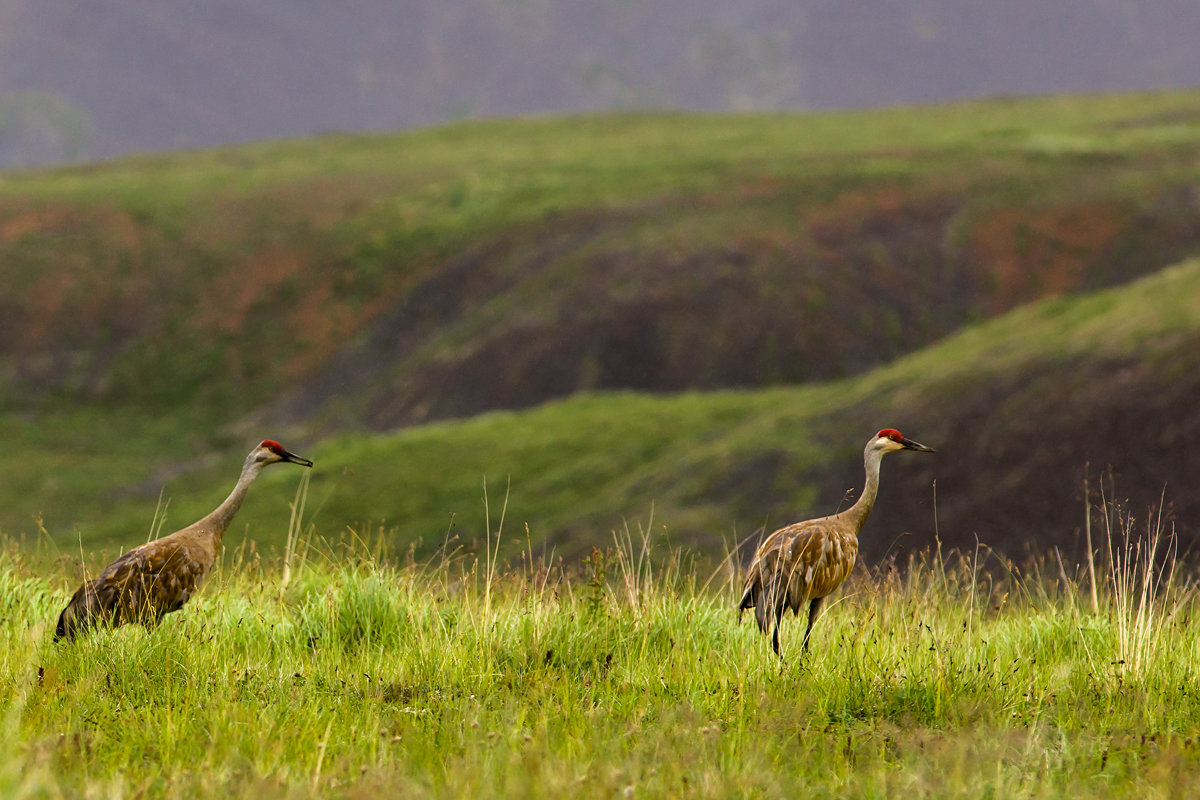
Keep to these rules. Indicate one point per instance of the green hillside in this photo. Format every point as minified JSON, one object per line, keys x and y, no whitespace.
{"x":709,"y":468}
{"x":388,"y":280}
{"x":732,"y":304}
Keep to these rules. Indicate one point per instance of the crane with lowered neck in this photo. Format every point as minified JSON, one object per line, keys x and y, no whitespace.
{"x":152,"y":580}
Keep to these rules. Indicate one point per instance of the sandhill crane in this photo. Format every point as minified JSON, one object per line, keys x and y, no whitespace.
{"x":804,"y":562}
{"x":159,"y":576}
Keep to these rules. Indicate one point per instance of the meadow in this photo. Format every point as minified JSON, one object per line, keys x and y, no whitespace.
{"x":449,"y":611}
{"x":342,"y":669}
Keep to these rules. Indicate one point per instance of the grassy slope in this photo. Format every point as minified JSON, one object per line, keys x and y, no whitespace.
{"x":225,"y":276}
{"x":358,"y":679}
{"x":711,"y":467}
{"x":101,"y":409}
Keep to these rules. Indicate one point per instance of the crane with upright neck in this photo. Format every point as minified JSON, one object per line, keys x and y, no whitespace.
{"x":804,"y":562}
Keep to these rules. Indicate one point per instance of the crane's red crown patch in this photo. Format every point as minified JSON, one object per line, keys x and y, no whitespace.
{"x":890,"y":433}
{"x":271,"y":444}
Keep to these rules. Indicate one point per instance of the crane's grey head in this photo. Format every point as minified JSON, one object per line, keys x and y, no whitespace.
{"x":270,"y":452}
{"x":889,"y":440}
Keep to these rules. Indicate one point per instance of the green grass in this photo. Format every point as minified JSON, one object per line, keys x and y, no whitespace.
{"x":451,"y":161}
{"x":355,"y":674}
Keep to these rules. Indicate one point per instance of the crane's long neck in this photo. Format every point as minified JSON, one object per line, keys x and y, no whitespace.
{"x":859,"y":512}
{"x":218,"y":520}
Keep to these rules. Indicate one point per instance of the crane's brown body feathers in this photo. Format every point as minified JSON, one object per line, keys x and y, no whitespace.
{"x":796,"y":565}
{"x":801,"y":564}
{"x":159,"y":577}
{"x":142,"y":585}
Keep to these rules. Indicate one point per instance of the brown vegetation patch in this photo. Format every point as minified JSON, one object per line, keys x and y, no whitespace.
{"x":1023,"y":254}
{"x":248,"y":287}
{"x":317,"y":202}
{"x":858,"y":213}
{"x":86,"y":262}
{"x":319,"y":324}
{"x":24,"y":223}
{"x":112,"y":226}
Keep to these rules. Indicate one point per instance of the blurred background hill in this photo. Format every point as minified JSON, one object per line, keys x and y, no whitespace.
{"x":84,"y":80}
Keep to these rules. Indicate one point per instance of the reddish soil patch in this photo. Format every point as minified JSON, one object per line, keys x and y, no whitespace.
{"x":235,"y":293}
{"x":1024,"y":254}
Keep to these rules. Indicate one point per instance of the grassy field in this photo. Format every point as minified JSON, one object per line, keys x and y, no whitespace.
{"x":351,"y":672}
{"x":406,"y":645}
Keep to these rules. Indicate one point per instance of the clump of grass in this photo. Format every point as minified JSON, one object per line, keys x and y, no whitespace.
{"x":949,"y":675}
{"x":1144,"y":593}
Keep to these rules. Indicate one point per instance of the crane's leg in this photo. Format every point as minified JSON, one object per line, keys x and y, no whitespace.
{"x":813,"y":608}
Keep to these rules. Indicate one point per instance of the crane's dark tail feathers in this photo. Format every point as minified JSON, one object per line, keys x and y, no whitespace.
{"x":747,"y":600}
{"x":766,"y":600}
{"x":81,"y":613}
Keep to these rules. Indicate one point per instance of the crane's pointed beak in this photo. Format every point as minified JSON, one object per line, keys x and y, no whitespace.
{"x":909,"y":444}
{"x":292,"y":458}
